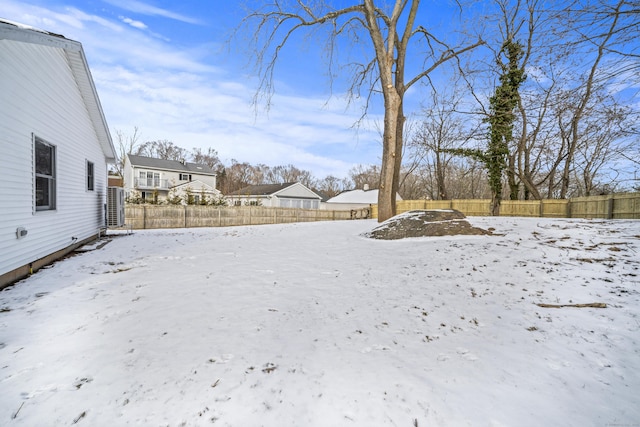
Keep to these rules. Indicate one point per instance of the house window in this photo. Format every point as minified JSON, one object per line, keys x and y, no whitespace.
{"x":90,"y":179}
{"x":237,"y":203}
{"x":149,"y":179}
{"x":149,"y":196}
{"x":185,"y":177}
{"x":45,"y":175}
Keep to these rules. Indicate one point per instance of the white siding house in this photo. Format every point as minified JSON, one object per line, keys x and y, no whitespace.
{"x":159,"y":178}
{"x":287,"y":195}
{"x":354,"y":199}
{"x":54,"y":150}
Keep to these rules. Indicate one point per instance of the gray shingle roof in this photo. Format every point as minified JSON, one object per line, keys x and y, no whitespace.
{"x":173,"y":165}
{"x":261,"y":190}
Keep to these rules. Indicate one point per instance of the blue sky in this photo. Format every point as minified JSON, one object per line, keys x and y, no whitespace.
{"x":166,"y":68}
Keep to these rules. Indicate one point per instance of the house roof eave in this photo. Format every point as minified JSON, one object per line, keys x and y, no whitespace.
{"x":299,"y":184}
{"x":79,"y":67}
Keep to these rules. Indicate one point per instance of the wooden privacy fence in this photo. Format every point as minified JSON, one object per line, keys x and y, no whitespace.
{"x":612,"y":206}
{"x":152,"y":216}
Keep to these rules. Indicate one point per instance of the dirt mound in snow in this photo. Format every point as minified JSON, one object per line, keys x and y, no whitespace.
{"x":421,"y":223}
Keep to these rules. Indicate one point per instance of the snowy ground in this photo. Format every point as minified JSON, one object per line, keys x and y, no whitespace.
{"x":314,"y":325}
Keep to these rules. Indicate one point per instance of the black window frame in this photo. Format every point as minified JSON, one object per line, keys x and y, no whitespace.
{"x":91,"y":184}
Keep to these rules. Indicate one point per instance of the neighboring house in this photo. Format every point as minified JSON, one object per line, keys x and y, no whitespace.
{"x":54,"y":150}
{"x":161,"y":178}
{"x":288,"y":195}
{"x":354,"y":199}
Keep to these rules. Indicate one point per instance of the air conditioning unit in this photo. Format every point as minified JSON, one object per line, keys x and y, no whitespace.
{"x":115,"y":207}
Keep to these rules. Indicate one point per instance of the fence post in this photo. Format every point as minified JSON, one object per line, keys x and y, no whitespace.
{"x":610,"y":207}
{"x":541,"y":208}
{"x":144,"y":217}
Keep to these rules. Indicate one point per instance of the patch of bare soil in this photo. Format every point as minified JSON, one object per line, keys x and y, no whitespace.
{"x":424,"y":223}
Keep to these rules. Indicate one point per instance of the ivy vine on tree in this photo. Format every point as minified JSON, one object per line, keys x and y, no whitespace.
{"x":501,"y":117}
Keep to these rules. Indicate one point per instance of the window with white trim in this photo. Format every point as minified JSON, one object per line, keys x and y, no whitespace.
{"x":45,"y":174}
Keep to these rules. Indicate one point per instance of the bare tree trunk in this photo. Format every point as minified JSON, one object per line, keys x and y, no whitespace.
{"x":514,"y":185}
{"x":391,"y":158}
{"x":398,"y":152}
{"x":393,"y":117}
{"x":440,"y":177}
{"x":126,"y":145}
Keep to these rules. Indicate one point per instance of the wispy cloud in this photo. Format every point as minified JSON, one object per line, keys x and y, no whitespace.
{"x":135,"y":24}
{"x":150,"y":10}
{"x":179,"y":92}
{"x":193,"y":111}
{"x":63,"y":19}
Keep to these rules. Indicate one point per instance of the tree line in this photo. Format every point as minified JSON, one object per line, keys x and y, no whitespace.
{"x":542,"y":96}
{"x":430,"y":170}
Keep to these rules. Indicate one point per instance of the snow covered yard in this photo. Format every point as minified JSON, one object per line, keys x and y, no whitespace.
{"x":314,"y":325}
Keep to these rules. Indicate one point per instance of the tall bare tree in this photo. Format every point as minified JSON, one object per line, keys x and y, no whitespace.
{"x":126,"y":144}
{"x":572,"y":133}
{"x":606,"y":33}
{"x":389,"y":30}
{"x":607,"y":138}
{"x":441,"y":130}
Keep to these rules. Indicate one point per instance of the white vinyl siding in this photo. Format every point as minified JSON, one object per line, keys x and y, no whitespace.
{"x":39,"y":95}
{"x":286,"y":202}
{"x":298,"y":191}
{"x":297,"y":196}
